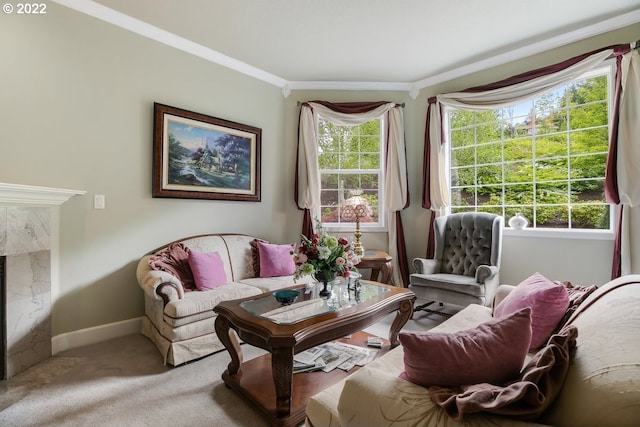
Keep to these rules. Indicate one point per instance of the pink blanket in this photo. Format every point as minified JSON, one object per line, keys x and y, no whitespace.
{"x":577,"y":294}
{"x":175,"y":261}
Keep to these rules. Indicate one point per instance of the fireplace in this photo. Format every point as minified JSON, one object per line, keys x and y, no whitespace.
{"x":25,"y":249}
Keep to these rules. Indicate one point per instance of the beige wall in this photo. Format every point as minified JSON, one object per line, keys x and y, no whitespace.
{"x":76,"y":102}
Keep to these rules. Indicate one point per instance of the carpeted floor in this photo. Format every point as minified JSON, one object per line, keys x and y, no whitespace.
{"x":122,"y":382}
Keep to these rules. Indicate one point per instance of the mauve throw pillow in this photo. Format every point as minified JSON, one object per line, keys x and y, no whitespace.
{"x":548,"y":301}
{"x":492,"y":352}
{"x":208,"y":270}
{"x":255,"y":256}
{"x":276,"y":260}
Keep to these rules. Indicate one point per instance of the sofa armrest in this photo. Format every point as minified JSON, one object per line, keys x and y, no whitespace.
{"x":485,"y":273}
{"x":392,"y":401}
{"x":501,"y":294}
{"x":158,"y":284}
{"x":426,"y":266}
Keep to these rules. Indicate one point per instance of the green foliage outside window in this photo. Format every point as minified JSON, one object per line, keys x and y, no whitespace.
{"x":548,"y":162}
{"x":350,"y":163}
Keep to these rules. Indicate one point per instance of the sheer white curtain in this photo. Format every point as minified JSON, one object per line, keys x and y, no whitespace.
{"x":308,"y":188}
{"x":396,"y":193}
{"x":628,"y":163}
{"x":626,"y":169}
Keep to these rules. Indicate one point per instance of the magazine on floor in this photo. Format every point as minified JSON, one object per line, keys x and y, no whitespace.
{"x":332,"y":355}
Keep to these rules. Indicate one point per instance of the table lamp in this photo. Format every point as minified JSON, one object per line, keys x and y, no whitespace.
{"x":356,"y":207}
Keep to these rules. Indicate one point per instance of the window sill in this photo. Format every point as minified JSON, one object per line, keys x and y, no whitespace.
{"x":561,"y":234}
{"x":351,"y":229}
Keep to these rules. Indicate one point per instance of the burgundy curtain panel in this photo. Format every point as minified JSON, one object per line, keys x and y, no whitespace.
{"x":426,"y":193}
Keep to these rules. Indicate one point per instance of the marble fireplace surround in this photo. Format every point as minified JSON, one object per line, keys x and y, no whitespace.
{"x":26,"y":243}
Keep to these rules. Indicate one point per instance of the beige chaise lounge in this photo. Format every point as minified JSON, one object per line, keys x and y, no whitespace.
{"x":602,"y":386}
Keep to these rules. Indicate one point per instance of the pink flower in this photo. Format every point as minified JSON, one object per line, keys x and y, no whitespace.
{"x":323,"y":252}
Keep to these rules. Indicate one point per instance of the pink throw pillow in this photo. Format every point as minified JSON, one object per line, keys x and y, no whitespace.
{"x":492,"y":352}
{"x":276,"y":260}
{"x":548,"y":301}
{"x":208,"y":270}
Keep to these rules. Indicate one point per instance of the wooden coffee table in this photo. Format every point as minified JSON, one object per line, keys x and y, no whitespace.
{"x":268,"y":382}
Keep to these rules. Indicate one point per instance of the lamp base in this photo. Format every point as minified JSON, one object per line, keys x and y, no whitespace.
{"x":357,"y":245}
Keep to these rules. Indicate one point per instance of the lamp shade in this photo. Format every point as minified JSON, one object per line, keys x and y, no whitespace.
{"x":356,"y":207}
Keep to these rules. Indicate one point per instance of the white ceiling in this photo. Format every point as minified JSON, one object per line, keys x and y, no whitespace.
{"x":388,"y":43}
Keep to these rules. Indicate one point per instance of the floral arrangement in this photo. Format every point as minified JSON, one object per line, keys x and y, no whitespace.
{"x":324,"y":254}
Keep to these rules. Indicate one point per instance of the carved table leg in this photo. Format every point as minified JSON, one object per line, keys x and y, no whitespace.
{"x":228,"y":338}
{"x":405,"y":311}
{"x":282,"y":371}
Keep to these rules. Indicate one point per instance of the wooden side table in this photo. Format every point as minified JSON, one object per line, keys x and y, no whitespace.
{"x":379,"y":262}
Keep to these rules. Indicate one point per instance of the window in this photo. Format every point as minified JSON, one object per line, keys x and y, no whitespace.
{"x":545,"y":157}
{"x":351,"y":164}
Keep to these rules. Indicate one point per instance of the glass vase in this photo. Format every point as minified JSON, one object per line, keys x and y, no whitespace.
{"x":325,"y":276}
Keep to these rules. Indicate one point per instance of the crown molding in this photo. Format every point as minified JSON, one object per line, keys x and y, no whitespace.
{"x":331,"y":85}
{"x":119,"y":19}
{"x":28,"y":194}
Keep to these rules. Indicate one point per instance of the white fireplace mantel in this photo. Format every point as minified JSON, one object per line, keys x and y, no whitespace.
{"x":31,"y":195}
{"x":28,"y":243}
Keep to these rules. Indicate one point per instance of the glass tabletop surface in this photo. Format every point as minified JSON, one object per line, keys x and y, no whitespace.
{"x":309,"y":303}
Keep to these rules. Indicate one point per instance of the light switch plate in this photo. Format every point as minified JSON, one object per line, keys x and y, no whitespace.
{"x":98,"y":201}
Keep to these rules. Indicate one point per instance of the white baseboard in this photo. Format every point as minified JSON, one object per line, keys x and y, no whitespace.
{"x":87,"y":336}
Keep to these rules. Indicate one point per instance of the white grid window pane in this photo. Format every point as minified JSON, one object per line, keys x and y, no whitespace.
{"x":545,"y":158}
{"x":350,"y":159}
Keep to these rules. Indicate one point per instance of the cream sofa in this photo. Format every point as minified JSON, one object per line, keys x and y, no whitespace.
{"x":602,"y":387}
{"x":181,"y":324}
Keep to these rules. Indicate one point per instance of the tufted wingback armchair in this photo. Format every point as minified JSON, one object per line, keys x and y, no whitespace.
{"x":466,"y":265}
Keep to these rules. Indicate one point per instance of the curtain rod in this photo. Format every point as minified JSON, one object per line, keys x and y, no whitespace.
{"x":402,"y":105}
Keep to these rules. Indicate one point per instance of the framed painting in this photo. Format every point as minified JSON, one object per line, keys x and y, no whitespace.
{"x":196,"y":156}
